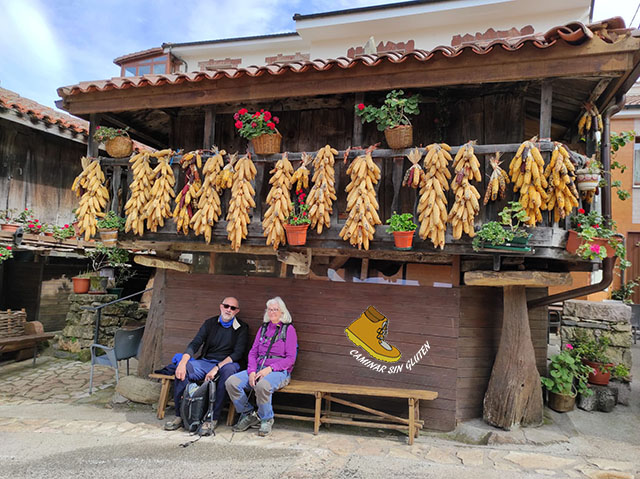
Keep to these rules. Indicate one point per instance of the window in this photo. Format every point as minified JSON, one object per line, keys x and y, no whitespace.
{"x":155,"y":65}
{"x":636,"y":163}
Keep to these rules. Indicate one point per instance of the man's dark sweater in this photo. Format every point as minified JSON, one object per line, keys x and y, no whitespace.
{"x":219,"y":342}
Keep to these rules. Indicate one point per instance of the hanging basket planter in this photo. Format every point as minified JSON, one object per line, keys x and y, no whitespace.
{"x":399,"y":137}
{"x":296,"y":234}
{"x":574,"y":242}
{"x":586,"y":180}
{"x":119,"y":147}
{"x":267,"y":144}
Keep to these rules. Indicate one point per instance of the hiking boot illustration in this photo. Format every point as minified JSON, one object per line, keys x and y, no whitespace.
{"x":369,"y":332}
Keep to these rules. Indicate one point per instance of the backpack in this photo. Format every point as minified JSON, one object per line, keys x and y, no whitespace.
{"x":197,"y":405}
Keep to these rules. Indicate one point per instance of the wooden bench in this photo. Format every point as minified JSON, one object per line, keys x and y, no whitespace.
{"x":326,"y":391}
{"x":34,"y":334}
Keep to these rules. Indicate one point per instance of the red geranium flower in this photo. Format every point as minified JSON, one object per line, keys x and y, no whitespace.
{"x":9,"y":248}
{"x":65,"y":226}
{"x":35,"y":221}
{"x":38,"y":226}
{"x":596,"y":226}
{"x":304,"y":213}
{"x":581,"y":211}
{"x":276,"y":119}
{"x":271,"y":125}
{"x":361,"y":106}
{"x":267,"y":116}
{"x":262,"y":110}
{"x":298,"y":192}
{"x":31,"y":225}
{"x":295,"y":218}
{"x":253,"y":124}
{"x":238,"y":124}
{"x":243,"y":111}
{"x":579,"y":225}
{"x":236,"y":116}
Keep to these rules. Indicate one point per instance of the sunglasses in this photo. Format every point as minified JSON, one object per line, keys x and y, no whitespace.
{"x":228,"y":306}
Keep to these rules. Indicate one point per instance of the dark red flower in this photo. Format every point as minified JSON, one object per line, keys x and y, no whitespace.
{"x":579,"y":225}
{"x":9,"y":248}
{"x":276,"y":120}
{"x":298,"y":192}
{"x":581,"y":211}
{"x":267,"y":116}
{"x":243,"y":111}
{"x":35,"y":221}
{"x":596,"y":226}
{"x":238,"y":124}
{"x":236,"y":116}
{"x":271,"y":125}
{"x":253,"y":124}
{"x":262,"y":110}
{"x":361,"y":106}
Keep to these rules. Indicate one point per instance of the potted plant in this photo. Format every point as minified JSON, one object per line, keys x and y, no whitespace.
{"x":9,"y":220}
{"x":260,"y":128}
{"x":593,"y":351}
{"x":6,"y":252}
{"x":403,"y":228}
{"x":298,"y":220}
{"x":47,"y":229}
{"x":116,"y":141}
{"x":108,"y":226}
{"x":567,"y":378}
{"x":81,"y":283}
{"x":392,"y":117}
{"x":33,"y":226}
{"x":507,"y":234}
{"x":62,"y":233}
{"x":625,"y":292}
{"x":591,"y":238}
{"x":122,"y":273}
{"x":104,"y":260}
{"x":588,"y":174}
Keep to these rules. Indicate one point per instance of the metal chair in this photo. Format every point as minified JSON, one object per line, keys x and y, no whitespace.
{"x":126,"y":344}
{"x":635,"y":322}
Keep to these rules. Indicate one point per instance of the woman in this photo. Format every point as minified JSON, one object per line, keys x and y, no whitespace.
{"x":271,"y":361}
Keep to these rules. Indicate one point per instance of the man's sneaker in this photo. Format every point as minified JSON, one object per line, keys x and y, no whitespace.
{"x":173,"y":425}
{"x":247,"y":420}
{"x":265,"y":427}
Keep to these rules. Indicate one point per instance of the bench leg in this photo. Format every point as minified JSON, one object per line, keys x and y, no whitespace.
{"x":318,"y":411}
{"x":412,"y":422}
{"x":417,"y":416}
{"x":231,"y":414}
{"x":164,"y":397}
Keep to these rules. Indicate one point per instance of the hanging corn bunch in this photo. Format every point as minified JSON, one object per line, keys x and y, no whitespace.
{"x":140,"y":192}
{"x":186,"y":201}
{"x":497,"y":185}
{"x":323,"y":191}
{"x":362,"y":205}
{"x":414,"y":175}
{"x":241,"y":201}
{"x":209,"y":205}
{"x":93,"y":195}
{"x":225,"y":178}
{"x":301,"y":176}
{"x":158,"y":207}
{"x":527,"y":173}
{"x":560,"y":176}
{"x":590,"y":121}
{"x":432,"y":204}
{"x":279,"y":202}
{"x":466,"y":205}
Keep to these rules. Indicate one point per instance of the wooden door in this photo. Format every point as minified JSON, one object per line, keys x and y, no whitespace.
{"x":633,"y":255}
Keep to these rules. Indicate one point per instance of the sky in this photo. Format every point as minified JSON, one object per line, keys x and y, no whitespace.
{"x":46,"y":44}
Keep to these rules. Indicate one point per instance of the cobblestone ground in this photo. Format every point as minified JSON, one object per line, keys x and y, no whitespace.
{"x":47,"y":411}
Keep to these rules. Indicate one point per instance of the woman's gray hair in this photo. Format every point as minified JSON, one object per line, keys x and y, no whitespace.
{"x":277,"y":301}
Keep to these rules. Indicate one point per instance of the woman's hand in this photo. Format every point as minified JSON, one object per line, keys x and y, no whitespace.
{"x":252,"y":379}
{"x":263,"y":372}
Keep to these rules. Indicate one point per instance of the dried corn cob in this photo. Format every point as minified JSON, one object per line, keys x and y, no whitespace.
{"x":94,"y":196}
{"x":209,"y":205}
{"x":323,"y":192}
{"x":432,"y":204}
{"x":466,"y":205}
{"x":279,"y":202}
{"x":241,"y":201}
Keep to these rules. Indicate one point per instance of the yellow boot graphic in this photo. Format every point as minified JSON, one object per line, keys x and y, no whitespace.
{"x":369,"y":331}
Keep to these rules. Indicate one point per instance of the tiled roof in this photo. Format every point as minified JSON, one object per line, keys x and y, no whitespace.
{"x":12,"y":101}
{"x":573,"y":34}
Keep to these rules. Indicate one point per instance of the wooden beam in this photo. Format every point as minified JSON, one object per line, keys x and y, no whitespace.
{"x":532,"y":279}
{"x":161,"y":263}
{"x":135,"y":132}
{"x":356,"y":135}
{"x":528,"y":63}
{"x":546,"y":100}
{"x":209,"y":127}
{"x":364,"y":269}
{"x":151,"y":352}
{"x":92,"y":145}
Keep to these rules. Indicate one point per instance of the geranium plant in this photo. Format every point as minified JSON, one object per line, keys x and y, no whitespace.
{"x":299,"y":210}
{"x":106,"y":133}
{"x":25,"y":216}
{"x":592,"y":226}
{"x":33,"y":226}
{"x":393,"y":112}
{"x":111,"y":221}
{"x":5,"y":253}
{"x":63,"y":232}
{"x":567,"y":374}
{"x":9,"y":216}
{"x":252,"y":125}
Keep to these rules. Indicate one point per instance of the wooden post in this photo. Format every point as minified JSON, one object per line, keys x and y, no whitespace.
{"x":92,"y":145}
{"x":151,"y":352}
{"x":209,"y":127}
{"x":546,"y":97}
{"x":356,"y":137}
{"x":514,"y":394}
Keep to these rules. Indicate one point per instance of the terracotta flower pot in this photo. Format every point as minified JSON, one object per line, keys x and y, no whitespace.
{"x":108,"y":237}
{"x":81,"y":285}
{"x":403,"y":239}
{"x":9,"y":227}
{"x":399,"y":137}
{"x":267,"y":144}
{"x":48,"y":234}
{"x":119,"y":147}
{"x":597,"y":376}
{"x":561,"y":402}
{"x":574,"y":242}
{"x":296,"y":234}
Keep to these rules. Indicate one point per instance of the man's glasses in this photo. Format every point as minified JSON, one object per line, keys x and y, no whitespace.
{"x":228,"y":306}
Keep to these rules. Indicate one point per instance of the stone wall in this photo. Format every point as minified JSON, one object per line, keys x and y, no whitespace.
{"x":597,"y":318}
{"x":80,"y":324}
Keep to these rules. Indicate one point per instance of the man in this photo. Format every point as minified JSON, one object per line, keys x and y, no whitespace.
{"x":224,"y":342}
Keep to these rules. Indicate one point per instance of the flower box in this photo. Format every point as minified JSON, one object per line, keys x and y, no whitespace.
{"x":574,"y":242}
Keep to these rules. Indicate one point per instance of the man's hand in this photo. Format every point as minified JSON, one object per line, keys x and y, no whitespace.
{"x":181,"y":371}
{"x":263,"y":372}
{"x":252,"y":379}
{"x":212,"y":374}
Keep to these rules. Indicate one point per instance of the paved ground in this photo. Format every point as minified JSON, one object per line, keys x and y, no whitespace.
{"x":51,"y":427}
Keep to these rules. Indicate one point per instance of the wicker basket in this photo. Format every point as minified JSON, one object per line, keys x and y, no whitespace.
{"x":267,"y":144}
{"x":119,"y":147}
{"x":12,"y":323}
{"x":399,"y":137}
